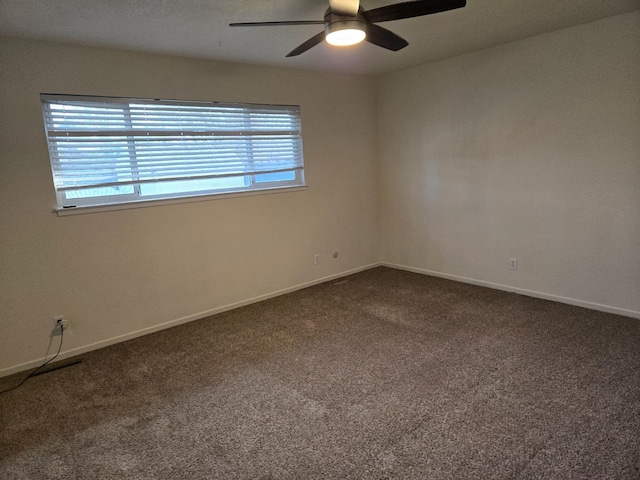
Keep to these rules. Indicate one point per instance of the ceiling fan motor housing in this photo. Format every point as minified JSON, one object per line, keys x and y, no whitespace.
{"x":334,"y":22}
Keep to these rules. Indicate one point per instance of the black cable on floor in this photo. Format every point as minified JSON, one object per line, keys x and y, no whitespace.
{"x":32,"y":374}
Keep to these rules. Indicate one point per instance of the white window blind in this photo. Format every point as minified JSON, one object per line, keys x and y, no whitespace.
{"x":106,"y":150}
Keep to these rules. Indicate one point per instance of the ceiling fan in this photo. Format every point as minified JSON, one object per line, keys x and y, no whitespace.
{"x":347,"y":23}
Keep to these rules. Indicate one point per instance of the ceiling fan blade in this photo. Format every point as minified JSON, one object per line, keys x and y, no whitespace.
{"x":345,"y":7}
{"x":385,"y":38}
{"x":312,"y":42}
{"x":416,"y":8}
{"x":277,"y":24}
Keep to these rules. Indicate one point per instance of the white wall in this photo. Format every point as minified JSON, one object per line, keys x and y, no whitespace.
{"x":528,"y":150}
{"x":116,"y":273}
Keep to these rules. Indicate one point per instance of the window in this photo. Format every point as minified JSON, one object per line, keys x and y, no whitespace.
{"x":107,"y":151}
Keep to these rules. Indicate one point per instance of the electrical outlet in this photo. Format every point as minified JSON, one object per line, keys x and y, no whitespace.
{"x":60,"y":322}
{"x":513,"y":264}
{"x":316,"y":259}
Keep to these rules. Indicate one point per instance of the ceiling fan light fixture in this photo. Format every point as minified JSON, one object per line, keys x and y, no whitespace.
{"x":345,"y":33}
{"x":346,"y":23}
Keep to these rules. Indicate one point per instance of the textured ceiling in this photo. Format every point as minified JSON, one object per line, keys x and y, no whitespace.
{"x":199,"y":28}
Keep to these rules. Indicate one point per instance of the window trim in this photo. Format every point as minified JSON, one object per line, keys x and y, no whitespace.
{"x":125,"y":200}
{"x":84,"y":209}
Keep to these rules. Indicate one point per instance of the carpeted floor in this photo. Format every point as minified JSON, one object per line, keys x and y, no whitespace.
{"x":383,"y":374}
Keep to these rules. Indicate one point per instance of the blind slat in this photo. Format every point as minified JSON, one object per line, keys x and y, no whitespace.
{"x":193,"y":177}
{"x":141,"y":135}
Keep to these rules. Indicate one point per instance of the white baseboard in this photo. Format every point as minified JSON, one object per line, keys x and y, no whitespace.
{"x":521,"y":291}
{"x":189,"y":318}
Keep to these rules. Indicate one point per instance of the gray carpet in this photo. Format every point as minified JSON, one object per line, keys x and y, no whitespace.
{"x":383,"y":374}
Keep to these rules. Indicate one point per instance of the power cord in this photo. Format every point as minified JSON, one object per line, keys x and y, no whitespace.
{"x":35,"y":372}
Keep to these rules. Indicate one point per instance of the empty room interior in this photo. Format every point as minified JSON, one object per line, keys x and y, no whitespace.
{"x":438,"y":277}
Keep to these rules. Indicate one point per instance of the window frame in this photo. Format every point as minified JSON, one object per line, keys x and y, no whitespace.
{"x":135,"y":137}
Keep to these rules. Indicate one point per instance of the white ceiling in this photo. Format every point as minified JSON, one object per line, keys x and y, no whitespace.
{"x":199,"y":28}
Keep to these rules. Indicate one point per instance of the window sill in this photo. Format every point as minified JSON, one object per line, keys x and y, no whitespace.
{"x":84,"y":209}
